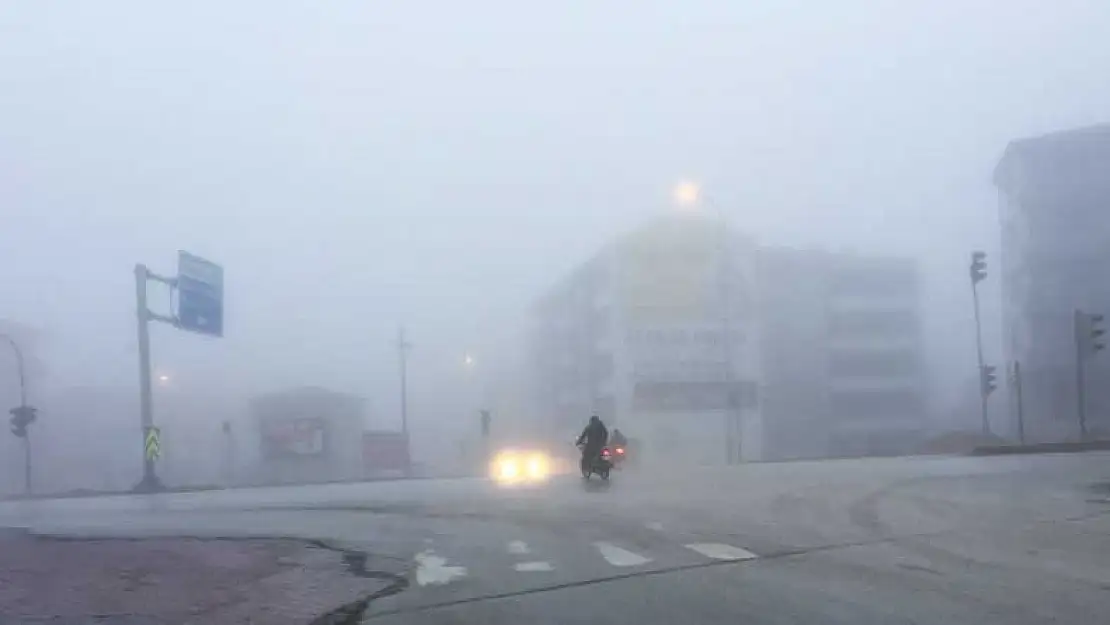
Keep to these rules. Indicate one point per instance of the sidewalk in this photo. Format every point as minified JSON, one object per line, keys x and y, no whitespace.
{"x":181,"y":580}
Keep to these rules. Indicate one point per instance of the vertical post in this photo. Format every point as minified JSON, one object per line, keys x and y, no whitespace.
{"x":403,"y":347}
{"x":229,"y":454}
{"x":27,"y":462}
{"x":149,"y":482}
{"x":22,"y":372}
{"x":402,"y":353}
{"x":1020,"y":405}
{"x":1080,"y":382}
{"x":732,"y":406}
{"x":979,"y":353}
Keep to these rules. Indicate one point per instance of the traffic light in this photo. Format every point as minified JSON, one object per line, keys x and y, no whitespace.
{"x":22,"y":416}
{"x":988,"y":379}
{"x":1089,"y":332}
{"x":978,"y":268}
{"x":1094,"y":322}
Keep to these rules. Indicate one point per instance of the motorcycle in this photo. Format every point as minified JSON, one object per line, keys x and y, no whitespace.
{"x":601,"y":464}
{"x":619,"y":456}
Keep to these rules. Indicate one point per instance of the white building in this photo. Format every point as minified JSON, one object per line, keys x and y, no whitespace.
{"x":648,"y":335}
{"x":843,"y":358}
{"x":823,"y":351}
{"x":1054,"y":194}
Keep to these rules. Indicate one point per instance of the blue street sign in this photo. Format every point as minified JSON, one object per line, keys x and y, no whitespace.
{"x":200,"y":295}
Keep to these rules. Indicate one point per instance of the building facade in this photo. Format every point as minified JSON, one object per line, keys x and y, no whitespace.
{"x":1053,"y":197}
{"x":657,"y":335}
{"x":687,"y":336}
{"x":843,"y":357}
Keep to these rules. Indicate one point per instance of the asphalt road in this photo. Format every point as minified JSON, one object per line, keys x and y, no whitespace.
{"x":1011,"y":540}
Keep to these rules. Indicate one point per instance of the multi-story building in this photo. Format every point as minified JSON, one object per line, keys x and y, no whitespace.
{"x":1054,"y":192}
{"x":657,"y":335}
{"x":842,"y":354}
{"x":822,"y":352}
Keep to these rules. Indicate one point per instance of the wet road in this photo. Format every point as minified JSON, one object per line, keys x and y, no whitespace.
{"x":930,"y":540}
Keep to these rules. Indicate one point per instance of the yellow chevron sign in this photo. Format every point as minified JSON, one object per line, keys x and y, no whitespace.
{"x":153,"y":443}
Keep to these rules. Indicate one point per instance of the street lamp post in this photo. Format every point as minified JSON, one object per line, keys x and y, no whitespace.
{"x":23,"y":409}
{"x":689,"y":195}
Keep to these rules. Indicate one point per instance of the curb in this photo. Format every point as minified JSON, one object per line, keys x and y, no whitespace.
{"x":1041,"y":448}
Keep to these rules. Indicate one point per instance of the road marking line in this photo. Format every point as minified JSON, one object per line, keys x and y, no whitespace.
{"x":720,"y":551}
{"x":518,"y":547}
{"x":433,"y":570}
{"x":533,"y":567}
{"x":620,"y":557}
{"x":654,"y":525}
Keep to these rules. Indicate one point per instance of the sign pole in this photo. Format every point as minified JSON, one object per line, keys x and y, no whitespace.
{"x":150,"y":482}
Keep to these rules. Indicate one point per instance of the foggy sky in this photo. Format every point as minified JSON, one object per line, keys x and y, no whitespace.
{"x":355,"y":165}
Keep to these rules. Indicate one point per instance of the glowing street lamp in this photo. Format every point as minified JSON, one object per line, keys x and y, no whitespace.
{"x":687,"y":194}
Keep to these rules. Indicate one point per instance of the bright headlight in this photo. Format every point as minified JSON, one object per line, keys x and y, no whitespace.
{"x":537,"y":467}
{"x":507,"y":469}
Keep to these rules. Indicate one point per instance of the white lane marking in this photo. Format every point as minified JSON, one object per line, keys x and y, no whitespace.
{"x":720,"y":551}
{"x":433,"y":570}
{"x":654,"y":525}
{"x":533,"y":567}
{"x":518,"y":547}
{"x":620,"y":557}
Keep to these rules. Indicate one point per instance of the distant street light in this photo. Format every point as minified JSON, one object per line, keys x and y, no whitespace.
{"x":163,"y":378}
{"x":468,"y":360}
{"x":687,"y":194}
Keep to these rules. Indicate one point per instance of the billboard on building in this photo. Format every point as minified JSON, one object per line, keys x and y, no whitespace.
{"x":293,"y":437}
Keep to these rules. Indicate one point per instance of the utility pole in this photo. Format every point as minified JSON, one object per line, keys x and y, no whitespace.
{"x":403,"y":347}
{"x":1088,"y":341}
{"x":978,"y":271}
{"x":22,"y":415}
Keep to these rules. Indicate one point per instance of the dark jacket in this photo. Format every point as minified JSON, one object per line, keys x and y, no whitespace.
{"x":595,"y":436}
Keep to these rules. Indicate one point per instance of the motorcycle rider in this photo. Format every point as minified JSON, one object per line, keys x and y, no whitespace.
{"x":593,"y":438}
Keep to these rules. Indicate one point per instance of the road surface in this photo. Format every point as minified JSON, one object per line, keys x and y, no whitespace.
{"x":925,"y":540}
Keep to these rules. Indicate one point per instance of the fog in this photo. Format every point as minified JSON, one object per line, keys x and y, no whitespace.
{"x":359,"y":166}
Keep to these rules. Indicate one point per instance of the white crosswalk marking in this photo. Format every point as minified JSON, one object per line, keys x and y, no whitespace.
{"x":533,"y":567}
{"x":720,"y":551}
{"x":620,"y":557}
{"x":518,"y":547}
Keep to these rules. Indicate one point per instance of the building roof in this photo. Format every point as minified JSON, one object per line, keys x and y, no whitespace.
{"x":1050,"y":156}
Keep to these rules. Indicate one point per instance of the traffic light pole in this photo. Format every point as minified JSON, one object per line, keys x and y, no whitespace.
{"x":979,"y":353}
{"x":1080,"y":378}
{"x":1020,"y":402}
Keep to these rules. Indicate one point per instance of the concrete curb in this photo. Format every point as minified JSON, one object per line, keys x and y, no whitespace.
{"x":1041,"y":448}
